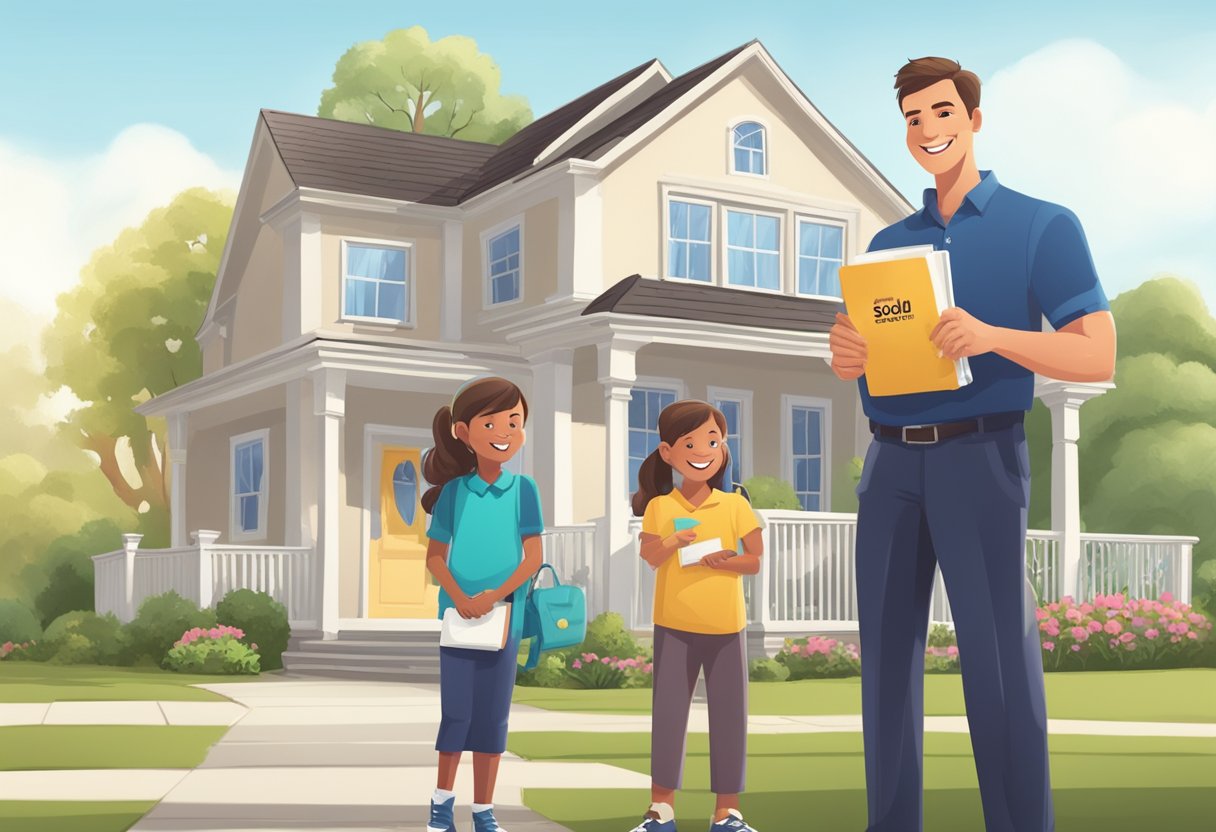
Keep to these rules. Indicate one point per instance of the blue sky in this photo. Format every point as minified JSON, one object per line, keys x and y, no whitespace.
{"x":78,"y":77}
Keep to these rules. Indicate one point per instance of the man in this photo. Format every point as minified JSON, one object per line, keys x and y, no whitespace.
{"x":954,"y":489}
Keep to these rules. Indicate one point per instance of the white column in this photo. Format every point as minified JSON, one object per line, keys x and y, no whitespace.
{"x":130,"y":545}
{"x":302,"y":289}
{"x":329,"y":407}
{"x":1064,"y":400}
{"x":580,"y":238}
{"x":549,"y":433}
{"x":618,"y":559}
{"x":177,"y":479}
{"x":453,"y":280}
{"x":203,"y":541}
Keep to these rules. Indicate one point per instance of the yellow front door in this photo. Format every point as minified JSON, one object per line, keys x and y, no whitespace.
{"x":400,"y":586}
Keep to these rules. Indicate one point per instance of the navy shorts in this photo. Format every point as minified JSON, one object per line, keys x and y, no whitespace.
{"x":475,"y":689}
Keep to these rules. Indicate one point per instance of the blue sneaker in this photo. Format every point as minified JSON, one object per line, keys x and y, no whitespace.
{"x":486,"y":822}
{"x":654,"y":825}
{"x":442,"y":819}
{"x":734,"y":823}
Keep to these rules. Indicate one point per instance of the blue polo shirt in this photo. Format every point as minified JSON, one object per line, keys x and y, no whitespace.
{"x":485,"y":524}
{"x":1014,"y":260}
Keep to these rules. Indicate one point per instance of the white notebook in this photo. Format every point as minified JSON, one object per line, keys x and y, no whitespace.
{"x":486,"y":633}
{"x":691,"y":554}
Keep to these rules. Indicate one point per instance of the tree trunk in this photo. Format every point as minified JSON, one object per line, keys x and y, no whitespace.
{"x":419,"y":117}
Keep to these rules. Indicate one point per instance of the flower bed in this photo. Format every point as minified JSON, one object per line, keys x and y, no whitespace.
{"x":214,"y":650}
{"x":587,"y":670}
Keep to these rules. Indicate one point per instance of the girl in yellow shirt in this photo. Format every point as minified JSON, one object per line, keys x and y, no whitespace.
{"x":699,"y":613}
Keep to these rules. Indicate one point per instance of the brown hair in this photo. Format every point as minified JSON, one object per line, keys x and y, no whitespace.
{"x":676,"y":420}
{"x":451,"y":458}
{"x":919,"y":73}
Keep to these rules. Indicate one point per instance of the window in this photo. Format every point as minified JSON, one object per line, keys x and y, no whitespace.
{"x":375,"y":282}
{"x":747,"y":146}
{"x":753,"y":250}
{"x":503,"y":266}
{"x":248,"y":510}
{"x":736,"y":407}
{"x":689,"y":243}
{"x":807,"y":459}
{"x":405,"y":490}
{"x":645,"y":405}
{"x":820,"y":255}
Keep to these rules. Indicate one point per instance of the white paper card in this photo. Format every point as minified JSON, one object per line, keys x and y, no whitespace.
{"x":486,"y":633}
{"x":691,"y":555}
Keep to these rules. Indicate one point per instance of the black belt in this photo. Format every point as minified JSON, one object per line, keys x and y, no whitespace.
{"x":932,"y":434}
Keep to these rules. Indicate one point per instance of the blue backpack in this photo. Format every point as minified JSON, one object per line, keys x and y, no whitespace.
{"x":554,"y":617}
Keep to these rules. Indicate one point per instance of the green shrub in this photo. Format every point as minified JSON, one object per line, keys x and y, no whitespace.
{"x":1205,"y":588}
{"x":550,"y":672}
{"x":767,"y":670}
{"x":18,"y":623}
{"x":940,"y":635}
{"x":263,"y":619}
{"x":817,"y":657}
{"x":224,"y":655}
{"x":84,"y":637}
{"x":607,"y":636}
{"x":69,"y":568}
{"x":771,"y":492}
{"x":160,"y":622}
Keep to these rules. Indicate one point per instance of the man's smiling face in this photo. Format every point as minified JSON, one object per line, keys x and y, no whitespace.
{"x":940,"y":133}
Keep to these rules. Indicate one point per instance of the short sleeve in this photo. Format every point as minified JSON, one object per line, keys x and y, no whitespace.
{"x":531,"y":518}
{"x":745,"y":517}
{"x":651,"y":523}
{"x":443,"y":518}
{"x":1063,"y":279}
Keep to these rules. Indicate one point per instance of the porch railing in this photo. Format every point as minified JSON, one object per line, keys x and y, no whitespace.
{"x":571,"y":550}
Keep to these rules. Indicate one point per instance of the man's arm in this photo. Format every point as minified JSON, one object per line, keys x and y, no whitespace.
{"x":1083,"y":350}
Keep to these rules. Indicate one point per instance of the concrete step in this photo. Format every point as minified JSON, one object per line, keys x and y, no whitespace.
{"x":366,"y":647}
{"x":354,"y":670}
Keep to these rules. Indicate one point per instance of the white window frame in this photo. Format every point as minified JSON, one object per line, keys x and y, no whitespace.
{"x":410,"y":292}
{"x":788,"y":403}
{"x":714,"y":271}
{"x":667,"y":385}
{"x":801,"y":217}
{"x":782,"y":225}
{"x":764,"y":150}
{"x":486,"y":236}
{"x":235,"y":532}
{"x":744,"y":399}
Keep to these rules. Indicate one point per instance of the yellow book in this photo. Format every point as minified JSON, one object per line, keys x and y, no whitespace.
{"x":895,"y":298}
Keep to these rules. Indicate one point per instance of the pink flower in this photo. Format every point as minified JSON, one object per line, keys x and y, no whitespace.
{"x":1192,"y":634}
{"x":1195,"y":618}
{"x":1040,"y":614}
{"x":1053,"y":606}
{"x":1113,"y":627}
{"x":1066,"y":600}
{"x":1049,"y":646}
{"x":1076,"y":648}
{"x":1087,"y":608}
{"x":1074,"y":615}
{"x":1094,"y":626}
{"x":254,"y":646}
{"x":1053,"y":627}
{"x":1175,"y":639}
{"x":1139,"y":621}
{"x":1151,"y":633}
{"x":1167,"y":597}
{"x":1127,"y":638}
{"x":952,"y":650}
{"x":1079,"y":633}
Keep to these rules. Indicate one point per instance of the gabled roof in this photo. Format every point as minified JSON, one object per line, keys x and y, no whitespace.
{"x":375,"y":161}
{"x":637,"y":295}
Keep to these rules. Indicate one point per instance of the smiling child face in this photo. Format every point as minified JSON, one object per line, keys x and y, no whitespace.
{"x":940,"y":133}
{"x":698,"y":455}
{"x":494,"y":436}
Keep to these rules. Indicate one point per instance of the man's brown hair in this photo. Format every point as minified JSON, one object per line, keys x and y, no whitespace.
{"x":919,"y":73}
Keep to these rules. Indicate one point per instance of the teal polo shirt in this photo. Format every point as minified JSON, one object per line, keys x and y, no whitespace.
{"x":484,"y":525}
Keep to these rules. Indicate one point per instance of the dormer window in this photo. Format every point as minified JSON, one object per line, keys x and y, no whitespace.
{"x":749,"y":149}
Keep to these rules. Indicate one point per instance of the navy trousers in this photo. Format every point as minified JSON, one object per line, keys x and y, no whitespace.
{"x":960,"y":503}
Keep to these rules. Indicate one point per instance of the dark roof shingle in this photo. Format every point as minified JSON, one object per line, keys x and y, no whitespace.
{"x":636,"y":295}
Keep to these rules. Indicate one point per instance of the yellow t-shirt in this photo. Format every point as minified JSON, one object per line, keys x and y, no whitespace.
{"x":698,"y":599}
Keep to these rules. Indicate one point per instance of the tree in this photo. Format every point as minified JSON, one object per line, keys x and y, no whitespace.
{"x":126,"y":333}
{"x":406,"y":82}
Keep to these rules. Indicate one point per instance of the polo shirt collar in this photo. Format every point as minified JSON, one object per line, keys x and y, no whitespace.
{"x":712,"y":500}
{"x":979,"y":196}
{"x":479,"y":486}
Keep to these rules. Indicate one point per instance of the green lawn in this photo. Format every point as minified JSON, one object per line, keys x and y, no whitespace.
{"x":817,"y":781}
{"x":48,"y":816}
{"x":1137,"y":696}
{"x":45,"y":747}
{"x":41,"y":682}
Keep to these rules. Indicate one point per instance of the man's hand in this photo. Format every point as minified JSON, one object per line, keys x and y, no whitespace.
{"x":849,"y":350}
{"x":960,"y":335}
{"x":715,"y":559}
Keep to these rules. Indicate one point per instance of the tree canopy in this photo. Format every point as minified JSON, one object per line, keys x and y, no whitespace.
{"x":408,"y":82}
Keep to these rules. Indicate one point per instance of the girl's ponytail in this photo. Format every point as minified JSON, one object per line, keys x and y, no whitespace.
{"x":450,"y":458}
{"x":654,"y":478}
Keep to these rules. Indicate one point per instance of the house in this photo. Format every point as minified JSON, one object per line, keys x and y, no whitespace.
{"x":657,"y":238}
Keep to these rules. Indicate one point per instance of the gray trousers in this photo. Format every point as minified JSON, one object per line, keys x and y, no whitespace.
{"x":678,"y":660}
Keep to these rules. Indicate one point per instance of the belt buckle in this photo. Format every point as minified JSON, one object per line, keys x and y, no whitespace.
{"x":903,"y":435}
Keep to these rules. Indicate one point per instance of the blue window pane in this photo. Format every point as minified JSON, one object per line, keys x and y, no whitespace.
{"x":808,"y":239}
{"x":373,"y":262}
{"x":813,"y":473}
{"x":812,"y":430}
{"x":799,"y":431}
{"x":810,"y":502}
{"x":637,"y":409}
{"x":767,"y":229}
{"x":513,"y":262}
{"x":833,"y":241}
{"x":249,"y":513}
{"x":392,"y":301}
{"x":742,"y":268}
{"x":829,"y":278}
{"x":807,"y":280}
{"x":801,"y":475}
{"x":743,"y":160}
{"x":698,"y":264}
{"x":654,"y":405}
{"x":677,"y":265}
{"x":677,"y":219}
{"x":758,"y":162}
{"x":749,"y":134}
{"x":255,"y":462}
{"x":405,"y":490}
{"x":512,"y":238}
{"x":634,"y":466}
{"x":768,"y":271}
{"x":360,"y":297}
{"x":637,"y":444}
{"x":739,"y":229}
{"x":731,"y":411}
{"x":698,"y":222}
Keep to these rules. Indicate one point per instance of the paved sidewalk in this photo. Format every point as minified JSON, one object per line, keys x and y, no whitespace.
{"x":121,"y":713}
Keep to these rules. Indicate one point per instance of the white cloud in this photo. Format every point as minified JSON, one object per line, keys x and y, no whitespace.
{"x":55,"y":212}
{"x":1134,"y":157}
